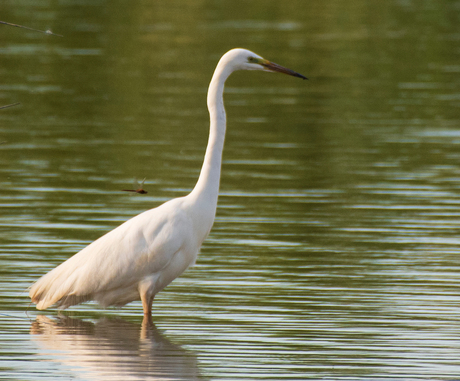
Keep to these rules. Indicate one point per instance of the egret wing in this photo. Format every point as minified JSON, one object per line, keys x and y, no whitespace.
{"x":119,"y":260}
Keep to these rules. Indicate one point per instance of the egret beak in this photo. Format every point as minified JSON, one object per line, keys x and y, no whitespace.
{"x":273,"y":67}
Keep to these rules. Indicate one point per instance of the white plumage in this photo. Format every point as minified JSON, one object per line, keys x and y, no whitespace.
{"x":146,"y":253}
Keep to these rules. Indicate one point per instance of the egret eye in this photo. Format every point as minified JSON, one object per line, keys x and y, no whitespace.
{"x":253,"y":60}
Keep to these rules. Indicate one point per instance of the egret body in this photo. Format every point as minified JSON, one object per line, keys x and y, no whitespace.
{"x":143,"y":255}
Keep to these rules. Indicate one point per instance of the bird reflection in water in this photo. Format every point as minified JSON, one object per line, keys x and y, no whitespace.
{"x":138,"y":188}
{"x":114,"y":349}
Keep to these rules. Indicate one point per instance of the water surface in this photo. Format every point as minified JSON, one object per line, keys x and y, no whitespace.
{"x":335,"y":249}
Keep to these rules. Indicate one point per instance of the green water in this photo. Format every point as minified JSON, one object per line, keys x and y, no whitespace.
{"x":334,"y":254}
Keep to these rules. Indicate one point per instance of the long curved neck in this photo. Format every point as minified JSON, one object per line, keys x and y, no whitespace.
{"x":207,"y":187}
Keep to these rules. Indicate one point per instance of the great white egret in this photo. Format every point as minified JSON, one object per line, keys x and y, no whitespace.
{"x":143,"y":255}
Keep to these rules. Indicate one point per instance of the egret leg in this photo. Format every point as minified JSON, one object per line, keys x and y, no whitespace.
{"x":147,"y":301}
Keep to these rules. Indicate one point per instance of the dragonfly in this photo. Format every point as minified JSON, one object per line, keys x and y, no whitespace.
{"x":140,"y":188}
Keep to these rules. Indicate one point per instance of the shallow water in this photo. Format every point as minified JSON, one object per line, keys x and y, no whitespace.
{"x":334,"y":254}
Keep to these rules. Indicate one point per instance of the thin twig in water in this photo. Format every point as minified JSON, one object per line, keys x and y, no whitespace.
{"x":35,"y":30}
{"x":11,"y":105}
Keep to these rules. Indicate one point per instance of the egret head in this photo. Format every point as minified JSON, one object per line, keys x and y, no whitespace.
{"x":243,"y":59}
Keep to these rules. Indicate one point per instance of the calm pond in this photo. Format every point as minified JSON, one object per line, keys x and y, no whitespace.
{"x":335,"y":251}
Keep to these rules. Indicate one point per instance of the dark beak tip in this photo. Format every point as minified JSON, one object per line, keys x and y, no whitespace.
{"x":301,"y":76}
